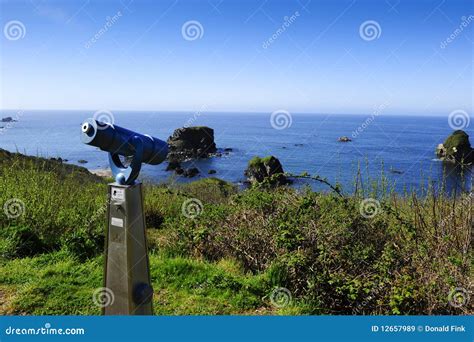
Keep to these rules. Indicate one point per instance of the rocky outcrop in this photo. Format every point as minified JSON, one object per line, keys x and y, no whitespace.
{"x":191,"y":143}
{"x":456,"y":149}
{"x":173,"y":165}
{"x":191,"y":172}
{"x":268,"y":169}
{"x":179,"y":170}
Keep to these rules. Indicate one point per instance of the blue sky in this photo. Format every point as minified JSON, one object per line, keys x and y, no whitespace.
{"x":319,"y":62}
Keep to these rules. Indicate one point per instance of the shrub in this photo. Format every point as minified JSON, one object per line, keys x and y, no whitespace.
{"x":334,"y":259}
{"x":20,"y":242}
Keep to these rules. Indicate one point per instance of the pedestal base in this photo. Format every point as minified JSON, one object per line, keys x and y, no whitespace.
{"x":127,"y":272}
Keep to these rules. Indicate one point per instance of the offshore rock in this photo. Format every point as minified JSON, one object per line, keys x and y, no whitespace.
{"x":456,"y":149}
{"x":191,"y":143}
{"x":268,"y":169}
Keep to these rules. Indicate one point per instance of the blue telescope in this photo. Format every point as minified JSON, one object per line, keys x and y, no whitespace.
{"x":126,"y":248}
{"x":118,"y":142}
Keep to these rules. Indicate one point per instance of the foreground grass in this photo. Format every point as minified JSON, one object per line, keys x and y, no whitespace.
{"x":325,"y":253}
{"x":58,"y":284}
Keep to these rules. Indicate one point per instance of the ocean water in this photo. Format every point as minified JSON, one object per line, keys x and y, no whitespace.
{"x":403,"y":146}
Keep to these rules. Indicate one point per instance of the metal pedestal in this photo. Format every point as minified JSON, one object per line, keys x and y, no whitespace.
{"x":127,"y":271}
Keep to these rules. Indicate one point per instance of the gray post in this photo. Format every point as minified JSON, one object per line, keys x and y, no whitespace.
{"x":127,"y":271}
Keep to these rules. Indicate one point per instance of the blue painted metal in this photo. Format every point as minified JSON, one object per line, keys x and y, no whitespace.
{"x":119,"y":141}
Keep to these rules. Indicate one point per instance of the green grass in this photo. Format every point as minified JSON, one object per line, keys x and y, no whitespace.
{"x":50,"y":284}
{"x":257,"y":161}
{"x":406,"y":259}
{"x":58,"y":284}
{"x":187,"y":286}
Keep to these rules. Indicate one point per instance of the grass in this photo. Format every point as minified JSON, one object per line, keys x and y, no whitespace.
{"x":50,"y":284}
{"x":324,"y":253}
{"x":59,"y":284}
{"x":257,"y":161}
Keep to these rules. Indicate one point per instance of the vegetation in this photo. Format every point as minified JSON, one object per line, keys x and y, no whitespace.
{"x":257,"y":161}
{"x":459,"y":139}
{"x":262,"y":250}
{"x":266,"y":170}
{"x":457,"y":148}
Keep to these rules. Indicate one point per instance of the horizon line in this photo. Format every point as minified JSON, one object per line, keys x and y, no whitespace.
{"x":373,"y":112}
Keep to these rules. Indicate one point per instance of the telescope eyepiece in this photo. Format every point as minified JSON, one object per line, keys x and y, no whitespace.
{"x":87,"y":129}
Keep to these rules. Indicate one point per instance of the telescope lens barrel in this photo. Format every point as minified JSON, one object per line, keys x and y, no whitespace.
{"x":117,"y":140}
{"x":87,"y":128}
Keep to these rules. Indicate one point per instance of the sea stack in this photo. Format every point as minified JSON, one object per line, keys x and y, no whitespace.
{"x":268,"y":169}
{"x":456,"y":149}
{"x":191,"y":143}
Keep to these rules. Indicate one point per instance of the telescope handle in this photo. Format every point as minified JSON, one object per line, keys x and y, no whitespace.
{"x":126,"y":175}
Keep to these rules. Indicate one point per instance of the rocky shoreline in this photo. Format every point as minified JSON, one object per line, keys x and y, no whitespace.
{"x":105,"y":173}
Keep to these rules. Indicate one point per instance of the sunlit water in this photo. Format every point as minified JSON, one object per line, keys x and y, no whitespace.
{"x":403,"y":145}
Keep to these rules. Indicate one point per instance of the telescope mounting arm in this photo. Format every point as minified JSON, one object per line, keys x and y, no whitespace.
{"x":126,"y":175}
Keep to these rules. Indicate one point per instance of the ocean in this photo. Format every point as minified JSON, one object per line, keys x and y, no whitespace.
{"x":403,"y":147}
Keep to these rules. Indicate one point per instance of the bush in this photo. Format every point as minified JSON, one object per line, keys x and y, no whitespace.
{"x":331,"y":257}
{"x":20,"y":242}
{"x":52,"y":203}
{"x":83,"y":243}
